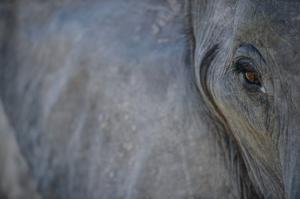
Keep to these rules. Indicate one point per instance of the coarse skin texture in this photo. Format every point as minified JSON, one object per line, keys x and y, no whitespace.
{"x":263,"y":125}
{"x":146,"y":99}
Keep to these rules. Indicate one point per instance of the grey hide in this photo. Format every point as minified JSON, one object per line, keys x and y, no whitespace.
{"x":149,"y":99}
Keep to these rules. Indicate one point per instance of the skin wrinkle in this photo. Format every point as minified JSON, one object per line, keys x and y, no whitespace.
{"x":205,"y":92}
{"x":153,"y":137}
{"x":257,"y":166}
{"x":242,"y":128}
{"x":276,"y":81}
{"x":242,"y":190}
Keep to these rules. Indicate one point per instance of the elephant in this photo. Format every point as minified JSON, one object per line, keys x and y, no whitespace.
{"x":150,"y":99}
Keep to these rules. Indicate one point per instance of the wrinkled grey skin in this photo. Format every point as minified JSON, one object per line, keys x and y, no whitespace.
{"x":139,"y":98}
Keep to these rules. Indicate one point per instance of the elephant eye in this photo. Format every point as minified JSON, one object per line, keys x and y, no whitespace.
{"x":249,"y":73}
{"x":252,"y":77}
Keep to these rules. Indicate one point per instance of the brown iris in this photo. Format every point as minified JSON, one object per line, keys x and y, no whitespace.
{"x":252,"y":77}
{"x":246,"y":67}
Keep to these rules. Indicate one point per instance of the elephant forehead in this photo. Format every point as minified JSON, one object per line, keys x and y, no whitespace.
{"x":273,"y":27}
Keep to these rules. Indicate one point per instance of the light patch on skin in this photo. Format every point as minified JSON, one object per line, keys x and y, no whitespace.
{"x":262,"y":89}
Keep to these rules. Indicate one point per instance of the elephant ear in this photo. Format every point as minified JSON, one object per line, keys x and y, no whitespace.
{"x":15,"y":180}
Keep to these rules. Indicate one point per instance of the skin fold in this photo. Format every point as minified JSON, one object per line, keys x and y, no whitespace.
{"x":262,"y":124}
{"x":150,"y":98}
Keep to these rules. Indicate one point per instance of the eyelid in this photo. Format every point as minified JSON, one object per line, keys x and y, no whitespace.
{"x":250,"y":51}
{"x":244,"y":64}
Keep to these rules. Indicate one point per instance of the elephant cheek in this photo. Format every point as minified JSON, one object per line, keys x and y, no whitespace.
{"x":291,"y":164}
